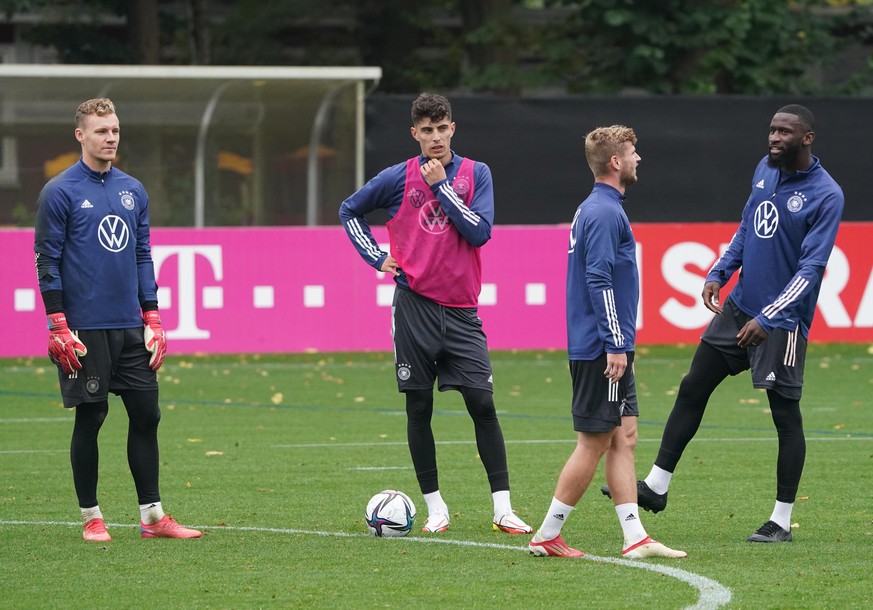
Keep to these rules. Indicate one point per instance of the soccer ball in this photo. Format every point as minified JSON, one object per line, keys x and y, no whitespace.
{"x":390,"y":514}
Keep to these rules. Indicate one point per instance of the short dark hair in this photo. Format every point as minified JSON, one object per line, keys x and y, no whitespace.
{"x":430,"y":106}
{"x":801,"y":112}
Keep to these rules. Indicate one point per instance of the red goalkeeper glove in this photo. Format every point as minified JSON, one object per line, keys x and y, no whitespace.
{"x":155,"y":338}
{"x":64,"y":347}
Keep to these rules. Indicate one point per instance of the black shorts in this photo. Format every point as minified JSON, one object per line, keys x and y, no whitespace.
{"x":777,"y":363}
{"x":117,"y":360}
{"x":598,"y":405}
{"x":434,"y":341}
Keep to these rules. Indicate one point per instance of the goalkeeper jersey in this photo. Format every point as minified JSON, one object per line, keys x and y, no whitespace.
{"x":92,"y":242}
{"x":782,"y":245}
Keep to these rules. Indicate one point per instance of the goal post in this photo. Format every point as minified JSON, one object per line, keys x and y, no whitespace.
{"x":214,"y":145}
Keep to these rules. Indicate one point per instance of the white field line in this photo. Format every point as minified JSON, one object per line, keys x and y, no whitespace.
{"x":711,"y":594}
{"x":35,"y":420}
{"x":558,"y":441}
{"x":473,"y":442}
{"x":17,"y":451}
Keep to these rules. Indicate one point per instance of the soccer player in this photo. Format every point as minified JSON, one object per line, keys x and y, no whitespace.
{"x":783,"y":243}
{"x":602,"y":296}
{"x":441,"y":208}
{"x":97,"y":279}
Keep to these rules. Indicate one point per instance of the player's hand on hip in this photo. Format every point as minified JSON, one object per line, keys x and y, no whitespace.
{"x":710,"y":297}
{"x":155,"y":338}
{"x":64,"y":347}
{"x":389,"y":265}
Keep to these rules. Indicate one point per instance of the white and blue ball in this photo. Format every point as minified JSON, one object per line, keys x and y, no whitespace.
{"x":390,"y":514}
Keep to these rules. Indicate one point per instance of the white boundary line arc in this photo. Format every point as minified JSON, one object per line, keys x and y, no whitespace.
{"x":711,"y":593}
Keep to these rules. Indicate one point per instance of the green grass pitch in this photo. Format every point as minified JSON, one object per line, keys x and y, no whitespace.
{"x":276,"y":456}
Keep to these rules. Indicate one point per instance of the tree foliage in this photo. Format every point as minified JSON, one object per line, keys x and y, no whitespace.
{"x":692,"y":47}
{"x":500,"y":46}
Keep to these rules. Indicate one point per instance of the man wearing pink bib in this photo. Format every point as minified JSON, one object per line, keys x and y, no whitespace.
{"x":441,"y":209}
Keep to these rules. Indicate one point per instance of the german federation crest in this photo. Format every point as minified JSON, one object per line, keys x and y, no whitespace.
{"x":795,"y":203}
{"x":127,"y":200}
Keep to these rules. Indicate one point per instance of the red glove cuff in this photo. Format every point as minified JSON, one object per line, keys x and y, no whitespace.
{"x":57,"y":321}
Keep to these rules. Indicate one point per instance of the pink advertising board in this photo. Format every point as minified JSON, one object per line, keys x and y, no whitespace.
{"x":294,"y":289}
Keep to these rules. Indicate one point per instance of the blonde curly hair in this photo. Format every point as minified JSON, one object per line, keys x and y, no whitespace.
{"x":101,"y":106}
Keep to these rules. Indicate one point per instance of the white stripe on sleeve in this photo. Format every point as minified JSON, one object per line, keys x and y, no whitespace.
{"x":612,"y":318}
{"x":787,"y":297}
{"x":452,"y":196}
{"x":357,"y":233}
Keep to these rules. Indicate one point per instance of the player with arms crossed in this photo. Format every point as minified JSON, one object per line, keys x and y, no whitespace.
{"x":783,"y":243}
{"x":602,"y":296}
{"x":441,"y":209}
{"x":95,"y":272}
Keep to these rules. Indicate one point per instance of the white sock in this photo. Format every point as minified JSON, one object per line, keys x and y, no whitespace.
{"x":782,"y":515}
{"x":502,"y":505}
{"x":435,"y":504}
{"x":631,"y":526}
{"x":91,"y":513}
{"x":151,"y":513}
{"x":555,"y":518}
{"x":659,"y":480}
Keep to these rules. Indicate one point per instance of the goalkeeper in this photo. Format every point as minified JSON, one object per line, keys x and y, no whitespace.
{"x":96,"y":275}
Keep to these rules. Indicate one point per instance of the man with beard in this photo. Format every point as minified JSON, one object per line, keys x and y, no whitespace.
{"x":783,"y":244}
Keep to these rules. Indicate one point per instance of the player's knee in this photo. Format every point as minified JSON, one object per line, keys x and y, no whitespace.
{"x":785,"y":412}
{"x":143,"y":409}
{"x":90,"y":416}
{"x":480,"y":403}
{"x":625,"y":436}
{"x":419,"y":404}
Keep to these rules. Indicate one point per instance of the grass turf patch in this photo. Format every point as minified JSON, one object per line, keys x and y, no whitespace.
{"x":276,"y":456}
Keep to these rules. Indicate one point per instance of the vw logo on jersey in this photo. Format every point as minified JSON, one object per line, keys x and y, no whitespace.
{"x":113,"y":233}
{"x":461,"y":186}
{"x":766,"y":220}
{"x":127,"y":200}
{"x":416,"y":198}
{"x":432,"y":218}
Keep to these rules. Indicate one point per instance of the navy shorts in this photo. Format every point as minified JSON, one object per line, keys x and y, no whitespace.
{"x":117,"y":360}
{"x":777,"y":363}
{"x":598,"y":405}
{"x":432,"y":341}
